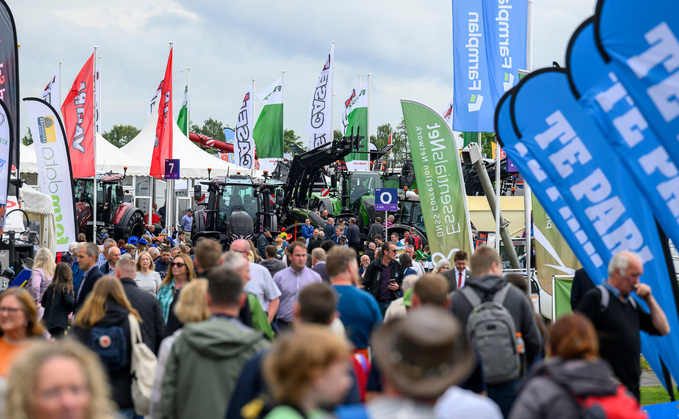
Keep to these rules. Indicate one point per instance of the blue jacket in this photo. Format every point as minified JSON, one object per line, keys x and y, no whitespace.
{"x":307,"y":231}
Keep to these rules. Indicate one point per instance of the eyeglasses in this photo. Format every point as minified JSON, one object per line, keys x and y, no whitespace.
{"x":173,"y":264}
{"x":10,"y":310}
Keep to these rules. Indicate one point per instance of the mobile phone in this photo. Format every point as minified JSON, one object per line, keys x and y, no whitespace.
{"x":392,"y":280}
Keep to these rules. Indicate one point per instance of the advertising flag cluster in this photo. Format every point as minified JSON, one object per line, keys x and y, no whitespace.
{"x":439,"y":178}
{"x":55,"y":177}
{"x":78,"y":113}
{"x":319,"y":124}
{"x":355,"y":121}
{"x":162,"y":147}
{"x":489,"y":47}
{"x":244,"y":146}
{"x":268,"y":132}
{"x":9,"y":76}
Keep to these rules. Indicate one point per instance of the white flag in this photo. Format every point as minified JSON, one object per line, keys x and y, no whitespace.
{"x":244,"y":146}
{"x":51,"y":92}
{"x":153,"y":101}
{"x":319,"y":125}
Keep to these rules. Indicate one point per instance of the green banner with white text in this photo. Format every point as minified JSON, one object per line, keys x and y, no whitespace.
{"x":439,"y":178}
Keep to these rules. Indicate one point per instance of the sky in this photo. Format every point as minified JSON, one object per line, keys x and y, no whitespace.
{"x":406,"y":46}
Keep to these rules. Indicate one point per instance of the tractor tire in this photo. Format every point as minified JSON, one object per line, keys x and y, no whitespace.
{"x":82,"y":226}
{"x":131,"y":225}
{"x":198,"y":224}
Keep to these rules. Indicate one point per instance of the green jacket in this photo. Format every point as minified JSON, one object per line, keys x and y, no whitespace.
{"x":204,"y":365}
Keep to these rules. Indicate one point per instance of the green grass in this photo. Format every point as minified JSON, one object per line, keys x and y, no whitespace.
{"x":654,"y":395}
{"x":644,"y":364}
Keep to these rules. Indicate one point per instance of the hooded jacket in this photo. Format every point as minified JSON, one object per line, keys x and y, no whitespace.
{"x":202,"y":369}
{"x":544,"y":394}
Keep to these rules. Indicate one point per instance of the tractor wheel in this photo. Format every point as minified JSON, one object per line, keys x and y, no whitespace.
{"x":198,"y":224}
{"x":134,"y":226}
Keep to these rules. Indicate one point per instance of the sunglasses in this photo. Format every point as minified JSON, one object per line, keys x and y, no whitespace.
{"x":177,"y":264}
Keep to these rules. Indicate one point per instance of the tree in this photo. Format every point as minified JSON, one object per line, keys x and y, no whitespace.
{"x":382,"y":137}
{"x":486,"y":143}
{"x":211,"y":128}
{"x":290,"y":138}
{"x":401,"y":149}
{"x":120,"y":135}
{"x":28,"y":138}
{"x":337,"y":135}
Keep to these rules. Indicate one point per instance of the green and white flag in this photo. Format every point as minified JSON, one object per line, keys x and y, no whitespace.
{"x":268,"y":132}
{"x":183,"y":118}
{"x":355,"y":117}
{"x":439,"y":179}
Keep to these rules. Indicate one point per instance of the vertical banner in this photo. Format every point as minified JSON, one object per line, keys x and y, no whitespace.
{"x":77,"y":110}
{"x":9,"y":77}
{"x":506,"y":24}
{"x":55,"y":176}
{"x":51,"y":92}
{"x":473,"y":103}
{"x":244,"y":146}
{"x":183,"y":118}
{"x":355,"y":119}
{"x":439,"y":178}
{"x":268,"y":132}
{"x":319,"y":125}
{"x":162,"y":147}
{"x":6,"y":127}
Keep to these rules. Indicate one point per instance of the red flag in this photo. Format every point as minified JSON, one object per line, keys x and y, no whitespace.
{"x":162,"y":148}
{"x":78,"y":111}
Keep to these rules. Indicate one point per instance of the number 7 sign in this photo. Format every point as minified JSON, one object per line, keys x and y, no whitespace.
{"x":171,"y":168}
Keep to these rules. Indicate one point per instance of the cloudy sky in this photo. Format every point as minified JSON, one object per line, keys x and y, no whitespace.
{"x":405,"y":45}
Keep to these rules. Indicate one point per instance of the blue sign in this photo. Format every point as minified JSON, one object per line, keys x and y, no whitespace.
{"x":171,"y":168}
{"x":386,"y":199}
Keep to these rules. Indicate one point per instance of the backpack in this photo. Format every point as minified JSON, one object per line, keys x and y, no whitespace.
{"x":491,"y":328}
{"x":142,"y":368}
{"x":110,"y":343}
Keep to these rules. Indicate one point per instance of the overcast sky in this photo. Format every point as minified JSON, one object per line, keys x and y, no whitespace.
{"x":405,"y":45}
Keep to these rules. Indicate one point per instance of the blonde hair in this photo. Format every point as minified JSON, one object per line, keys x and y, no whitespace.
{"x":45,"y":260}
{"x":441,"y":264}
{"x":292,"y":364}
{"x":190,"y":276}
{"x":24,"y":375}
{"x":152,"y":266}
{"x":94,"y":308}
{"x":28,"y":306}
{"x":192,"y":306}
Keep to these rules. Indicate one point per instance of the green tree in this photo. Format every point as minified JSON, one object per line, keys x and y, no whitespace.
{"x":401,"y":149}
{"x":486,"y":147}
{"x":337,"y":135}
{"x":382,"y":137}
{"x":211,"y":128}
{"x":28,"y":138}
{"x":120,"y":135}
{"x":290,"y":138}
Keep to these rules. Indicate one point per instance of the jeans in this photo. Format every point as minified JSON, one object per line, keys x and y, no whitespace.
{"x":504,"y":395}
{"x":384,"y":305}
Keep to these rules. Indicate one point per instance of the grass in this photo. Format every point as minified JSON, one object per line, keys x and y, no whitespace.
{"x":654,"y":395}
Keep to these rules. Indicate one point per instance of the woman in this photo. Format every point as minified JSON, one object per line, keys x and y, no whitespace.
{"x":407,"y":263}
{"x":147,"y":278}
{"x":41,"y":276}
{"x":106,"y":309}
{"x":58,"y":301}
{"x":304,"y":377}
{"x":180,"y":273}
{"x":442,"y":266}
{"x":142,"y":246}
{"x":18,"y":325}
{"x":191,"y":307}
{"x":573,"y":369}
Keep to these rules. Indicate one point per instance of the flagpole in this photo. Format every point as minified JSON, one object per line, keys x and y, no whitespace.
{"x":498,"y":169}
{"x":282,"y":125}
{"x":188,"y":96}
{"x":252,"y":127}
{"x":169,"y":183}
{"x":527,"y":201}
{"x":94,"y":147}
{"x":60,"y":102}
{"x":332,"y":92}
{"x":367,"y":121}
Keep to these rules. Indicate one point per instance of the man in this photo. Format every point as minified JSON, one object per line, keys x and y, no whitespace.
{"x":487,"y":267}
{"x":261,"y":283}
{"x":336,"y":237}
{"x":329,"y":228}
{"x":151,"y":231}
{"x":375,"y":229}
{"x":581,"y":284}
{"x":154,"y":253}
{"x":407,"y":239}
{"x":271,"y":262}
{"x":264,"y":239}
{"x":370,"y":251}
{"x":417,"y":266}
{"x":181,"y":236}
{"x":324,"y":214}
{"x":113,"y":258}
{"x":314,"y":241}
{"x":353,"y":234}
{"x":318,"y":257}
{"x":175,"y":251}
{"x":87,"y":262}
{"x":378,"y":240}
{"x":618,"y":322}
{"x":307,"y":229}
{"x":103,"y":256}
{"x":416,"y":239}
{"x":290,"y":281}
{"x":152,"y":326}
{"x":365,"y":261}
{"x":202,"y":368}
{"x":187,"y":221}
{"x":164,"y":262}
{"x":458,"y":276}
{"x":207,"y":256}
{"x":358,"y":310}
{"x":70,"y":255}
{"x":383,"y":277}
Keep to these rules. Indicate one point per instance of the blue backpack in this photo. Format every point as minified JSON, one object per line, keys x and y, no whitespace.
{"x":110,"y":343}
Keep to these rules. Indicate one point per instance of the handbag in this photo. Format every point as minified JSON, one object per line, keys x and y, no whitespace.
{"x":143,"y":369}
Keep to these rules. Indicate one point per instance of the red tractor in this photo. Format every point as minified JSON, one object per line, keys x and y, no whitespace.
{"x":115,"y":217}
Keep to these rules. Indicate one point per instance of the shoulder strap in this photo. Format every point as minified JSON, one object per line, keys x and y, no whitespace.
{"x":470,"y":295}
{"x":500,"y":295}
{"x":605,"y":297}
{"x":135,"y":332}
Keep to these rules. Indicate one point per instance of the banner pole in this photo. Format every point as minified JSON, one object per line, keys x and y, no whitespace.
{"x":527,"y":195}
{"x":386,"y":227}
{"x":367,"y":121}
{"x":188,"y":101}
{"x":332,"y":92}
{"x":169,"y":183}
{"x":94,"y":147}
{"x":498,"y":169}
{"x":60,"y":101}
{"x":283,"y":125}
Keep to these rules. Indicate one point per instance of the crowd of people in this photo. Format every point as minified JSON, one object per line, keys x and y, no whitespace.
{"x":321,"y":326}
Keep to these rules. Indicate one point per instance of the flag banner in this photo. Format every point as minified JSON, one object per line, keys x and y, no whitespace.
{"x":600,"y":191}
{"x":544,"y":189}
{"x":268,"y":132}
{"x":9,"y":77}
{"x":319,"y":125}
{"x":243,"y":146}
{"x":51,"y":92}
{"x":97,"y":94}
{"x":600,"y":92}
{"x":229,"y":135}
{"x":149,"y":111}
{"x":439,"y":176}
{"x":183,"y":118}
{"x":78,"y":113}
{"x":642,"y":43}
{"x":448,"y":114}
{"x":355,"y":120}
{"x":55,"y":177}
{"x":506,"y":25}
{"x":162,"y":147}
{"x":472,"y":100}
{"x":5,"y":135}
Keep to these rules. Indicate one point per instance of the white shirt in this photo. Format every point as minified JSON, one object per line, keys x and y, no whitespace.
{"x":457,"y":278}
{"x":459,"y":403}
{"x":261,"y":284}
{"x":417,"y":267}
